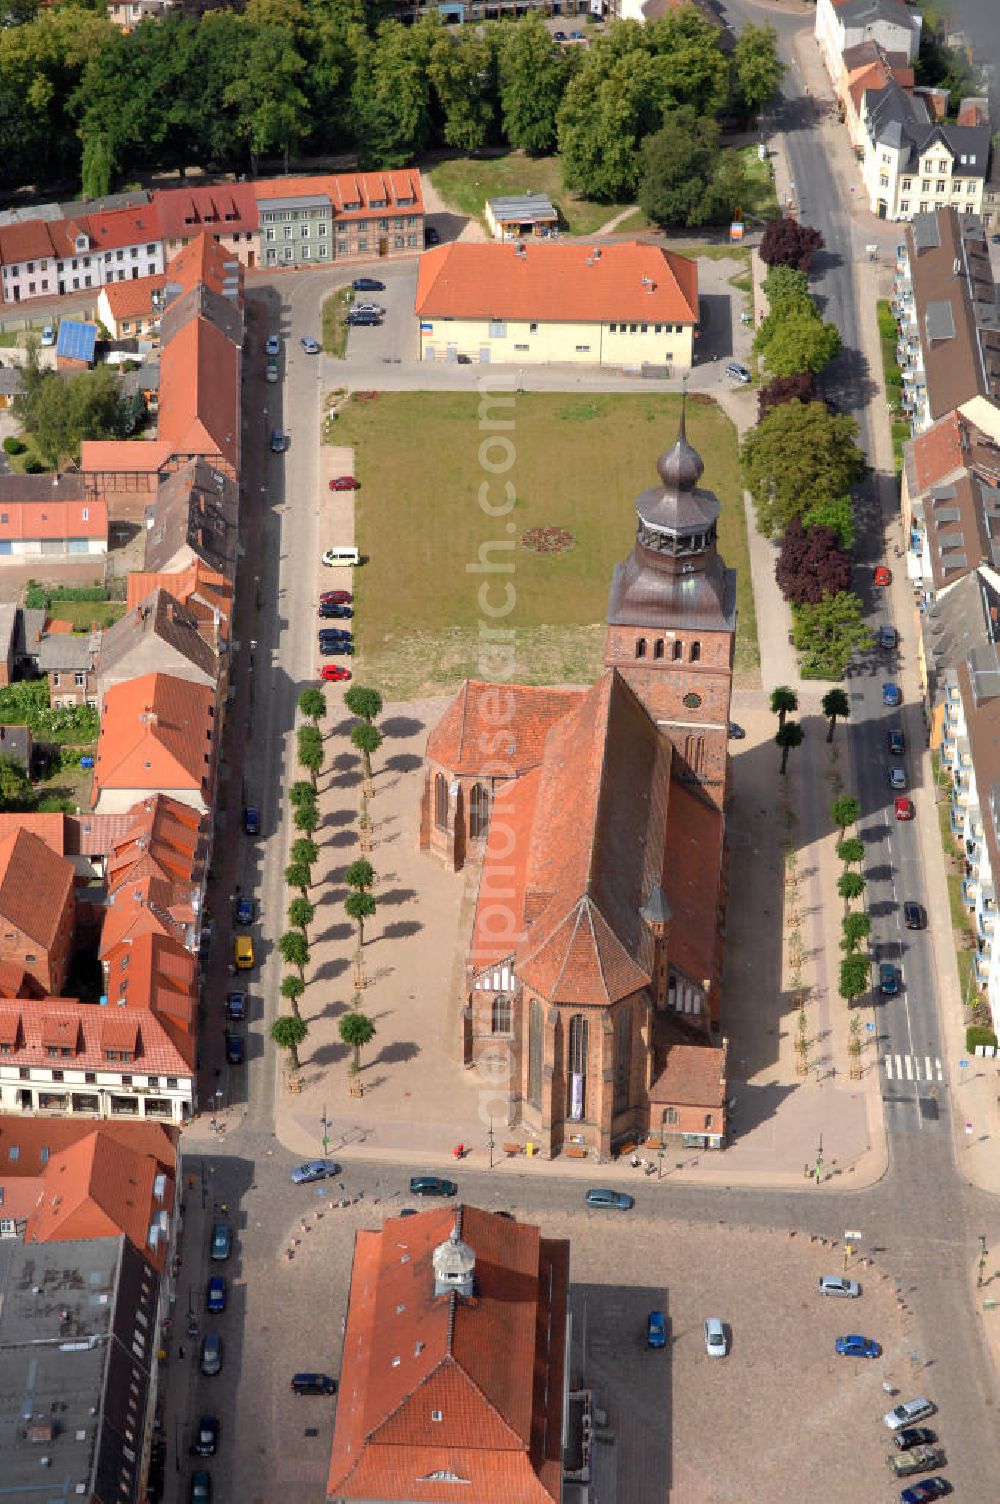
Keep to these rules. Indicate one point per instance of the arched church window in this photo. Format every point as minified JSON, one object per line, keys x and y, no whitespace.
{"x":441,"y":802}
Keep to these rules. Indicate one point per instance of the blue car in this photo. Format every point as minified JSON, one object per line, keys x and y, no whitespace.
{"x":251,"y":820}
{"x":892,"y":695}
{"x":927,"y":1488}
{"x":656,"y":1329}
{"x":619,"y":1201}
{"x":215,"y":1297}
{"x":888,"y":979}
{"x":222,"y":1241}
{"x":856,"y":1346}
{"x":244,"y":911}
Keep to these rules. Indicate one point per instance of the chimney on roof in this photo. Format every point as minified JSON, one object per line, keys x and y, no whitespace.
{"x":454,"y":1266}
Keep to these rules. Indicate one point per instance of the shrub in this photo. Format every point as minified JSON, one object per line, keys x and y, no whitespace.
{"x":12,"y":445}
{"x":34,"y":467}
{"x":975,"y":1034}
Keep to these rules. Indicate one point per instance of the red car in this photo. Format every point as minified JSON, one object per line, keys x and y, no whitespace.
{"x":903,"y":808}
{"x":345,"y":483}
{"x":333,"y":673}
{"x":336,"y":598}
{"x":883,"y":575}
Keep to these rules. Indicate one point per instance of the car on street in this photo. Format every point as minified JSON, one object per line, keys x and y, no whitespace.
{"x":313,"y":1383}
{"x":206,"y":1442}
{"x":856,"y":1346}
{"x":603,"y":1196}
{"x":335,"y":598}
{"x":314,"y":1169}
{"x":896,"y":742}
{"x":336,"y":647}
{"x":736,"y":732}
{"x":903,"y":807}
{"x":882,"y":576}
{"x":432,"y":1185}
{"x":376,"y":308}
{"x":272,"y":345}
{"x":243,"y":957}
{"x":244,"y":911}
{"x":656,"y":1329}
{"x":201,"y":1487}
{"x":914,"y":1436}
{"x":431,"y":236}
{"x":559,"y":36}
{"x":310,"y":346}
{"x":235,"y":1049}
{"x":278,"y":441}
{"x":368,"y":284}
{"x":251,"y":820}
{"x":222,"y":1241}
{"x":211,"y":1355}
{"x":897,"y":778}
{"x":737,"y":372}
{"x":345,"y":483}
{"x":332,"y":673}
{"x":716,"y":1344}
{"x":914,"y":915}
{"x":892,"y":695}
{"x":236,"y":1006}
{"x":271,"y":371}
{"x":336,"y":613}
{"x":888,"y":981}
{"x":886,"y":638}
{"x":48,"y":336}
{"x":216,"y":1295}
{"x":908,"y":1412}
{"x":927,"y":1488}
{"x":836,"y":1284}
{"x":916,"y":1460}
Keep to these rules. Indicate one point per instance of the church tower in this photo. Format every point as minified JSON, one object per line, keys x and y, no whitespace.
{"x":672,"y":619}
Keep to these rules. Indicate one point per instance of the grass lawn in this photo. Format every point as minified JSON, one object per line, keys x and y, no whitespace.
{"x":335,"y":322}
{"x":636,"y":224}
{"x":465,"y":183}
{"x":762,"y":201}
{"x":580,"y":463}
{"x":85,"y":614}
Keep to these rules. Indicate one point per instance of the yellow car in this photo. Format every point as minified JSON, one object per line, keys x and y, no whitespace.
{"x":243,"y":952}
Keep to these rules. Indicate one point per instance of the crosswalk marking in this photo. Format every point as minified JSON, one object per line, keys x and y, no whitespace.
{"x":905,"y":1067}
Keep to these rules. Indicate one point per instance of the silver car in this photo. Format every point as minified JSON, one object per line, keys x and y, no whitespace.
{"x":716,"y":1344}
{"x":908,"y":1413}
{"x":835,"y":1284}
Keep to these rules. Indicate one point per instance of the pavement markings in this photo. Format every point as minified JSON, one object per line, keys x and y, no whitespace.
{"x":905,"y":1067}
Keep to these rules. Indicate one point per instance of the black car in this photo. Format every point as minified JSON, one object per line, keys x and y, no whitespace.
{"x":914,"y":915}
{"x":367,"y":284}
{"x":251,"y":820}
{"x":313,"y":1383}
{"x":431,"y":236}
{"x":207,"y":1439}
{"x":432,"y":1185}
{"x":236,"y":1006}
{"x":336,"y":613}
{"x":340,"y":634}
{"x":914,"y":1436}
{"x":235,"y":1049}
{"x":896,"y":743}
{"x":363,"y":319}
{"x":336,"y":647}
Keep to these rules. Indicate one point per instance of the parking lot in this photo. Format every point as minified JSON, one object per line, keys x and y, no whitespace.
{"x":396,"y":338}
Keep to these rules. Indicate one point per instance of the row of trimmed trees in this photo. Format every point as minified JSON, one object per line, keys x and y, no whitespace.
{"x":289,"y":1031}
{"x":784,"y":702}
{"x":855,"y":964}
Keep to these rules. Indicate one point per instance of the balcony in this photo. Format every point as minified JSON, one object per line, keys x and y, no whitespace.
{"x":986,"y":921}
{"x":970,"y":892}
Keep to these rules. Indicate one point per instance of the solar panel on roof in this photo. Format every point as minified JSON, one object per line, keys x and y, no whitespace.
{"x":77,"y":341}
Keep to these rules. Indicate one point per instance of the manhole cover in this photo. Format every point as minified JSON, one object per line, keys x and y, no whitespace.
{"x":311,"y":1431}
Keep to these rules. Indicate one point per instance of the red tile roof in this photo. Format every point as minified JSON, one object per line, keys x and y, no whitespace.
{"x":162,"y":836}
{"x":692,"y":860}
{"x":203,"y":262}
{"x":200,"y":392}
{"x":221,"y":209}
{"x":128,"y":298}
{"x":434,"y":1383}
{"x":29,"y":241}
{"x":567,"y":282}
{"x":197,"y":584}
{"x":156,"y":733}
{"x":49,"y":828}
{"x":165,"y":1010}
{"x":938,"y":450}
{"x":371,"y":191}
{"x":693,"y":1075}
{"x":115,"y":229}
{"x":53,"y":519}
{"x":35,"y":886}
{"x":124,"y":456}
{"x":498,"y":729}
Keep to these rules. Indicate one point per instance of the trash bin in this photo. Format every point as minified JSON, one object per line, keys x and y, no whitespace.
{"x":529,"y":1147}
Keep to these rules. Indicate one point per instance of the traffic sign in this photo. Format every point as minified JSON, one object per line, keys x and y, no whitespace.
{"x":963,"y":1065}
{"x":853,"y":1237}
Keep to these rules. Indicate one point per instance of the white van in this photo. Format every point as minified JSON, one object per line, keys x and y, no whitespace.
{"x":334,"y":556}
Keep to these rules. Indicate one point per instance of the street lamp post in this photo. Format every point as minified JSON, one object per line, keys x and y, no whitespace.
{"x":491,"y":1142}
{"x":982,"y":1260}
{"x":325,"y":1124}
{"x":819,"y":1158}
{"x":659,"y":1156}
{"x":218,"y":1102}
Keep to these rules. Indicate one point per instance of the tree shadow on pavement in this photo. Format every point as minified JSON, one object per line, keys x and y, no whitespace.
{"x":401,"y":929}
{"x":401,"y":726}
{"x":330,"y":970}
{"x":403,"y":762}
{"x":395,"y":896}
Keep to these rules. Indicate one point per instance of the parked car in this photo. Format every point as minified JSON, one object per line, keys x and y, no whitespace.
{"x":235,"y":1049}
{"x":716,"y":1344}
{"x":360,"y":319}
{"x":736,"y":732}
{"x":243,"y":957}
{"x":376,"y":308}
{"x":310,"y":346}
{"x":335,"y":598}
{"x":856,"y":1346}
{"x":313,"y":1383}
{"x":336,"y":647}
{"x":206,"y":1442}
{"x":345,"y":483}
{"x":314,"y":1169}
{"x":920,"y":1459}
{"x":888,"y":981}
{"x":576,"y":36}
{"x":619,"y":1201}
{"x":332,"y":673}
{"x":896,"y":742}
{"x":431,"y":236}
{"x":278,"y":441}
{"x":914,"y":915}
{"x":432,"y":1185}
{"x":251,"y":820}
{"x":656,"y":1329}
{"x":903,"y":807}
{"x":336,"y":613}
{"x":836,"y":1284}
{"x":244,"y":911}
{"x":222,"y":1241}
{"x":559,"y":36}
{"x":236,"y":1006}
{"x":48,"y":336}
{"x":882,"y":576}
{"x":272,"y":345}
{"x":897,"y":778}
{"x":927,"y":1488}
{"x":201,"y":1487}
{"x":908,"y":1412}
{"x":271,"y":372}
{"x":216,"y":1295}
{"x":892,"y":695}
{"x":886,"y":637}
{"x":368,"y":284}
{"x":211,"y":1355}
{"x":914,"y":1436}
{"x":334,"y":634}
{"x":737,"y":372}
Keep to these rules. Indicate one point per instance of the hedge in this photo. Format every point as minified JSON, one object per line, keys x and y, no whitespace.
{"x":39,"y":597}
{"x":976,"y":1034}
{"x":12,"y":445}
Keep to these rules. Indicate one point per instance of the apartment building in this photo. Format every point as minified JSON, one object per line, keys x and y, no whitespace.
{"x":42,"y":258}
{"x":843,"y":24}
{"x":914,"y":163}
{"x":310,"y":221}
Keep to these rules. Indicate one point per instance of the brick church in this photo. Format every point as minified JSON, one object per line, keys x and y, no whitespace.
{"x":597,"y":819}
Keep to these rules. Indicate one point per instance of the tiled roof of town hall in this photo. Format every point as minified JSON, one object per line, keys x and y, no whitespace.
{"x":498,"y":727}
{"x":693,"y":848}
{"x":435,"y":1382}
